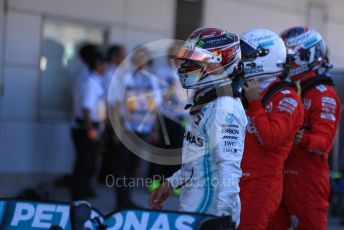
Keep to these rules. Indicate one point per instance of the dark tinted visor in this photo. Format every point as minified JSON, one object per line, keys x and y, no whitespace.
{"x":247,"y":51}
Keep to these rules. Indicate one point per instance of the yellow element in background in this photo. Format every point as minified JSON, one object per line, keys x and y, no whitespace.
{"x":132,"y":105}
{"x":151,"y":104}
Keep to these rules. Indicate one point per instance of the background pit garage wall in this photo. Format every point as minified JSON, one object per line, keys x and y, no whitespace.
{"x":324,"y":15}
{"x":30,"y":145}
{"x":27,"y":144}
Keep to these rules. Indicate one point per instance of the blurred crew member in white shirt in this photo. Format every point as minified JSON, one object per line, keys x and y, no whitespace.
{"x":85,"y":54}
{"x":115,"y":56}
{"x":89,"y":112}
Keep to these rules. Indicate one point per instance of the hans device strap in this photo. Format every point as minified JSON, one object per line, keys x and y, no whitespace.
{"x":287,"y":66}
{"x":235,"y":89}
{"x":316,"y":81}
{"x":276,"y":88}
{"x":221,"y":91}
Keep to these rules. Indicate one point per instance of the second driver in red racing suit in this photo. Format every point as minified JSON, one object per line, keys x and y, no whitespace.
{"x":275,"y":114}
{"x":307,"y":187}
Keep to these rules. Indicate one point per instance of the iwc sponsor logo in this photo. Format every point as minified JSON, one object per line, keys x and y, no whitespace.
{"x":230,"y":143}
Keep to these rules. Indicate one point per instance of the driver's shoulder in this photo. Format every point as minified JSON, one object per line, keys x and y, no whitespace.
{"x":223,"y":106}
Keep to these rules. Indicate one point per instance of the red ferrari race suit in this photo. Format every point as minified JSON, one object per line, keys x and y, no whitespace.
{"x":307,"y":187}
{"x":269,"y":137}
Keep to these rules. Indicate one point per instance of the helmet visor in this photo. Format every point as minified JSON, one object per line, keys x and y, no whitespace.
{"x":249,"y":53}
{"x":199,"y":55}
{"x":247,"y":50}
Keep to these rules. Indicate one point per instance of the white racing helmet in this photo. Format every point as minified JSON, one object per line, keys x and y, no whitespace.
{"x":269,"y":57}
{"x":307,"y":48}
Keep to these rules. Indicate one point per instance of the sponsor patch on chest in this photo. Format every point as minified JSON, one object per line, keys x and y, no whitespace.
{"x":193,"y":139}
{"x":287,"y":105}
{"x":321,"y":88}
{"x":229,"y":118}
{"x":285,"y":91}
{"x":328,"y":110}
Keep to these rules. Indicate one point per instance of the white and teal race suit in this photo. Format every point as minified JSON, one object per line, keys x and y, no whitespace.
{"x":212,"y":152}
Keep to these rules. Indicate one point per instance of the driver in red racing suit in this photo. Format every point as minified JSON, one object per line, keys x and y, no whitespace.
{"x":307,"y":188}
{"x":275,"y":114}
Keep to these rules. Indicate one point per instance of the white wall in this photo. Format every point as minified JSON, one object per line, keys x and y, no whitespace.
{"x":28,"y":145}
{"x":2,"y":21}
{"x":2,"y":17}
{"x":240,"y":15}
{"x":24,"y":141}
{"x":335,"y":31}
{"x":133,"y":22}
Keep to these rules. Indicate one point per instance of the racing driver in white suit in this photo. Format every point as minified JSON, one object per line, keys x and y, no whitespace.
{"x":214,"y":137}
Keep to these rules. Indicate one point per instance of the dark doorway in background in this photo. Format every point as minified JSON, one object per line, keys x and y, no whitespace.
{"x":188,"y":18}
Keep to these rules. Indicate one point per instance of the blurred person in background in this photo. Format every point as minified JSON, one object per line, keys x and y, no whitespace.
{"x":86,"y":53}
{"x":78,"y":75}
{"x":171,"y":111}
{"x":115,"y":56}
{"x":275,"y":113}
{"x":307,"y":187}
{"x":136,"y":106}
{"x":89,"y":116}
{"x":214,"y":138}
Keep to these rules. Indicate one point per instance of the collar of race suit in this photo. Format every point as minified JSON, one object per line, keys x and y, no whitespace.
{"x":304,"y":76}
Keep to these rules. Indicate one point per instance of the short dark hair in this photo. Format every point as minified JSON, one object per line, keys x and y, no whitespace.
{"x":97,"y":58}
{"x":113,"y":50}
{"x":86,"y":52}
